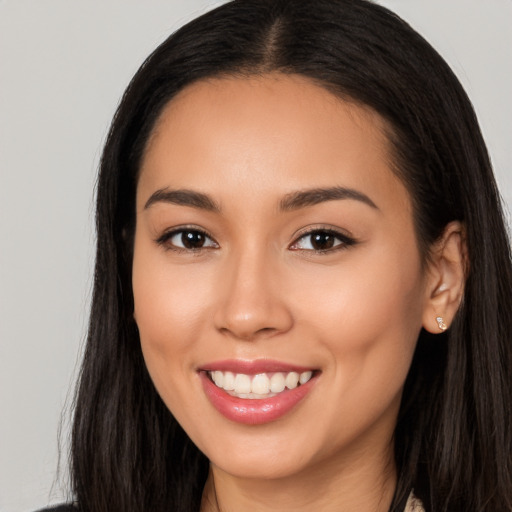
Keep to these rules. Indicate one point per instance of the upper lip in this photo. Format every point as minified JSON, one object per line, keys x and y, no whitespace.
{"x":253,"y":367}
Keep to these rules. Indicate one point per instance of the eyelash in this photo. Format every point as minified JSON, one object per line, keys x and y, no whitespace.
{"x":165,"y":239}
{"x":343,"y":240}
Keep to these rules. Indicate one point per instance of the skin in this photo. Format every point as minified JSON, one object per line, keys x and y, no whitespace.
{"x":257,"y":289}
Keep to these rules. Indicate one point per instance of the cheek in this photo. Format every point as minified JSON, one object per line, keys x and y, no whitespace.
{"x":168,"y":305}
{"x":367,"y":319}
{"x":368,"y":313}
{"x":376,"y":288}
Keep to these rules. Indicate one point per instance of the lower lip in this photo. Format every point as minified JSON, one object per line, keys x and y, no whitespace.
{"x":254,"y":411}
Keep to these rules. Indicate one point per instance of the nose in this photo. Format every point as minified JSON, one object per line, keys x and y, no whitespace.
{"x":252,"y":303}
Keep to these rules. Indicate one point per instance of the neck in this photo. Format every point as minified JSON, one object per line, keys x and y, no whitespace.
{"x":365,"y":484}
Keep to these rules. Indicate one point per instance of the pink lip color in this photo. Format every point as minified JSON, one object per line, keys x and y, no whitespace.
{"x":253,"y":367}
{"x":254,"y":411}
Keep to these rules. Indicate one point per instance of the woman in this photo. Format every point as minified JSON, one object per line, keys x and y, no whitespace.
{"x":303,"y":279}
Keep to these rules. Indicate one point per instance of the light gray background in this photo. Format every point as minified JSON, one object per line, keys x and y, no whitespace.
{"x":63,"y":67}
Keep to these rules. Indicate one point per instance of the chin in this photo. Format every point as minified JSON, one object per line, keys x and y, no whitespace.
{"x":273,"y":451}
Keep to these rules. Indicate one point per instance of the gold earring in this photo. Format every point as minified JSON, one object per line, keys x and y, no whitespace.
{"x":441,"y":324}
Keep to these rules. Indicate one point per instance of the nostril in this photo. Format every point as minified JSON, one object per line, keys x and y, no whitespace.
{"x":266,"y":330}
{"x":249,"y":335}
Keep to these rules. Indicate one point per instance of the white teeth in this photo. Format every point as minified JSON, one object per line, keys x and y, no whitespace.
{"x":229,"y":381}
{"x":277,"y":383}
{"x":218,"y":378}
{"x":292,"y":380}
{"x":242,"y":383}
{"x":258,"y":386}
{"x":304,"y":377}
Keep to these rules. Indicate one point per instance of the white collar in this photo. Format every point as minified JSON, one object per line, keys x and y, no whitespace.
{"x":413,"y":504}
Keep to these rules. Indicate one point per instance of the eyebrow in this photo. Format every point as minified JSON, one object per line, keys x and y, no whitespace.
{"x":311,"y":197}
{"x":183,"y":197}
{"x":292,"y":201}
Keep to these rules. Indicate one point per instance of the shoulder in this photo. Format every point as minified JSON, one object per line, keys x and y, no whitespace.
{"x":60,"y":508}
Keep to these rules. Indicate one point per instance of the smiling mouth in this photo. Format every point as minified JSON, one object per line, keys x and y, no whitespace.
{"x":259,"y":386}
{"x":256,"y":392}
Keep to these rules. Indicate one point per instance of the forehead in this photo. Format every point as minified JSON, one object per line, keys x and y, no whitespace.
{"x":270,"y":134}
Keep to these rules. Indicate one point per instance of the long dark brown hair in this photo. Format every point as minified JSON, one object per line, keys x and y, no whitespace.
{"x":453,"y":440}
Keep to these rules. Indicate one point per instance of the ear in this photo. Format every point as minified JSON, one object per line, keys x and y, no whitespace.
{"x":445,"y":278}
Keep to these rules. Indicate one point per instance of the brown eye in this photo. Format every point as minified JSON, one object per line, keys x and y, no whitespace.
{"x":187,"y":240}
{"x":322,"y":240}
{"x":192,"y":239}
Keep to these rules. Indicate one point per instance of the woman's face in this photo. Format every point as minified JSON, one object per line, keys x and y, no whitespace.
{"x":275,"y":253}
